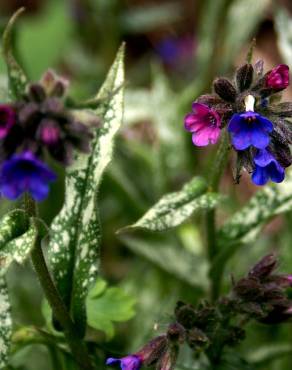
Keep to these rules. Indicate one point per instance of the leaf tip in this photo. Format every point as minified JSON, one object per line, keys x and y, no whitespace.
{"x":7,"y":31}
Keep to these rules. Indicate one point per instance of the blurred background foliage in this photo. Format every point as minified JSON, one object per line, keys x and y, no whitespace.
{"x":174,"y":51}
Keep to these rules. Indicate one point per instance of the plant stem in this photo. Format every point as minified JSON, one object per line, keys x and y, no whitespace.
{"x":217,"y":171}
{"x":77,"y":346}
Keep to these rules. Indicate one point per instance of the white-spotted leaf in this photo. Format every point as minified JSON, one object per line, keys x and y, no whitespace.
{"x":17,"y":237}
{"x":16,"y":75}
{"x":75,"y":232}
{"x":175,"y":208}
{"x":244,"y":226}
{"x":6,"y":324}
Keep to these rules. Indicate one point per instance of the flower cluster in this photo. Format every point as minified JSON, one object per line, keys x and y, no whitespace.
{"x":261,"y":294}
{"x":209,"y":328}
{"x":30,"y":130}
{"x":161,"y":351}
{"x":258,"y":127}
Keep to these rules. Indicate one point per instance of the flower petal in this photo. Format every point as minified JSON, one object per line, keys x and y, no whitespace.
{"x":194,"y":123}
{"x":276,"y":172}
{"x":265,"y":124}
{"x":112,"y":360}
{"x":200,"y":109}
{"x":263,"y":158}
{"x":242,"y":139}
{"x":260,"y":176}
{"x":235,"y":123}
{"x":259,"y":138}
{"x":38,"y":189}
{"x":206,"y":136}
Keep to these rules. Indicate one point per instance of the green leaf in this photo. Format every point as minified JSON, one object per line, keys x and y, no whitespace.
{"x":41,"y":40}
{"x":144,"y":19}
{"x":233,"y":361}
{"x":245,"y":225}
{"x":16,"y":75}
{"x":172,"y":258}
{"x":17,"y":237}
{"x":235,"y":36}
{"x":283,"y":25}
{"x":75,"y":241}
{"x":108,"y":305}
{"x":268,"y":353}
{"x":6,"y":324}
{"x":175,"y":208}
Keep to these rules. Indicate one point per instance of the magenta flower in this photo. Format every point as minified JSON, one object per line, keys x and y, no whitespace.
{"x":204,"y":124}
{"x":7,"y":119}
{"x":278,"y":77}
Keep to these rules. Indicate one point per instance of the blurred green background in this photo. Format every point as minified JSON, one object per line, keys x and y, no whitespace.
{"x":174,"y":51}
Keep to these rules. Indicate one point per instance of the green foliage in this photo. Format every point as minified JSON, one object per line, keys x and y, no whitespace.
{"x":175,"y":208}
{"x":264,"y":354}
{"x":147,"y":18}
{"x":108,"y":305}
{"x":172,"y":258}
{"x":17,"y":236}
{"x":6,"y":324}
{"x":283,"y":23}
{"x":17,"y":78}
{"x":235,"y":36}
{"x":245,"y":225}
{"x":75,"y":241}
{"x":41,"y":41}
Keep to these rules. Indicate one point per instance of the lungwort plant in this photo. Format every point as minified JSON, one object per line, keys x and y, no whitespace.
{"x":43,"y":129}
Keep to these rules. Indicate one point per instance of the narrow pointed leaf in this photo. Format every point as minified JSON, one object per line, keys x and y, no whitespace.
{"x":172,"y":258}
{"x":6,"y":324}
{"x":175,"y":208}
{"x":75,"y":232}
{"x":245,"y":225}
{"x":16,"y":75}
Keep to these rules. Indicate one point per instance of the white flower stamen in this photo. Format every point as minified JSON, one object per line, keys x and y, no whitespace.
{"x":249,"y":101}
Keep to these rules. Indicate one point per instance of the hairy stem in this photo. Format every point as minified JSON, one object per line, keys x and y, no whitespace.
{"x":217,"y":171}
{"x":77,"y":346}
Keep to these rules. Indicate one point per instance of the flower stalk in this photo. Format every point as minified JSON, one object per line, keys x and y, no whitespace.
{"x":77,"y":346}
{"x":210,"y":215}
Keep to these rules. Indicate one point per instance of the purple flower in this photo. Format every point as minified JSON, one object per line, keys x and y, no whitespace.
{"x":278,"y":77}
{"x":267,"y":168}
{"x":131,"y":362}
{"x":249,"y":129}
{"x":204,"y":124}
{"x":24,"y":172}
{"x":7,"y":119}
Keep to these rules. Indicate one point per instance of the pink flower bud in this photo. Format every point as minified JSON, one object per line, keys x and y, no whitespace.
{"x":278,"y":77}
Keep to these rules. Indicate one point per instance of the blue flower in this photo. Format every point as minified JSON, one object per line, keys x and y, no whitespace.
{"x":131,"y":362}
{"x":24,"y":172}
{"x":250,"y":129}
{"x":266,"y":168}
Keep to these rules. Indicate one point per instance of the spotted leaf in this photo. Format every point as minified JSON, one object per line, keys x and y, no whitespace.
{"x":16,"y":75}
{"x":6,"y":324}
{"x":75,"y":232}
{"x":17,"y":236}
{"x":245,"y":225}
{"x":175,"y":208}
